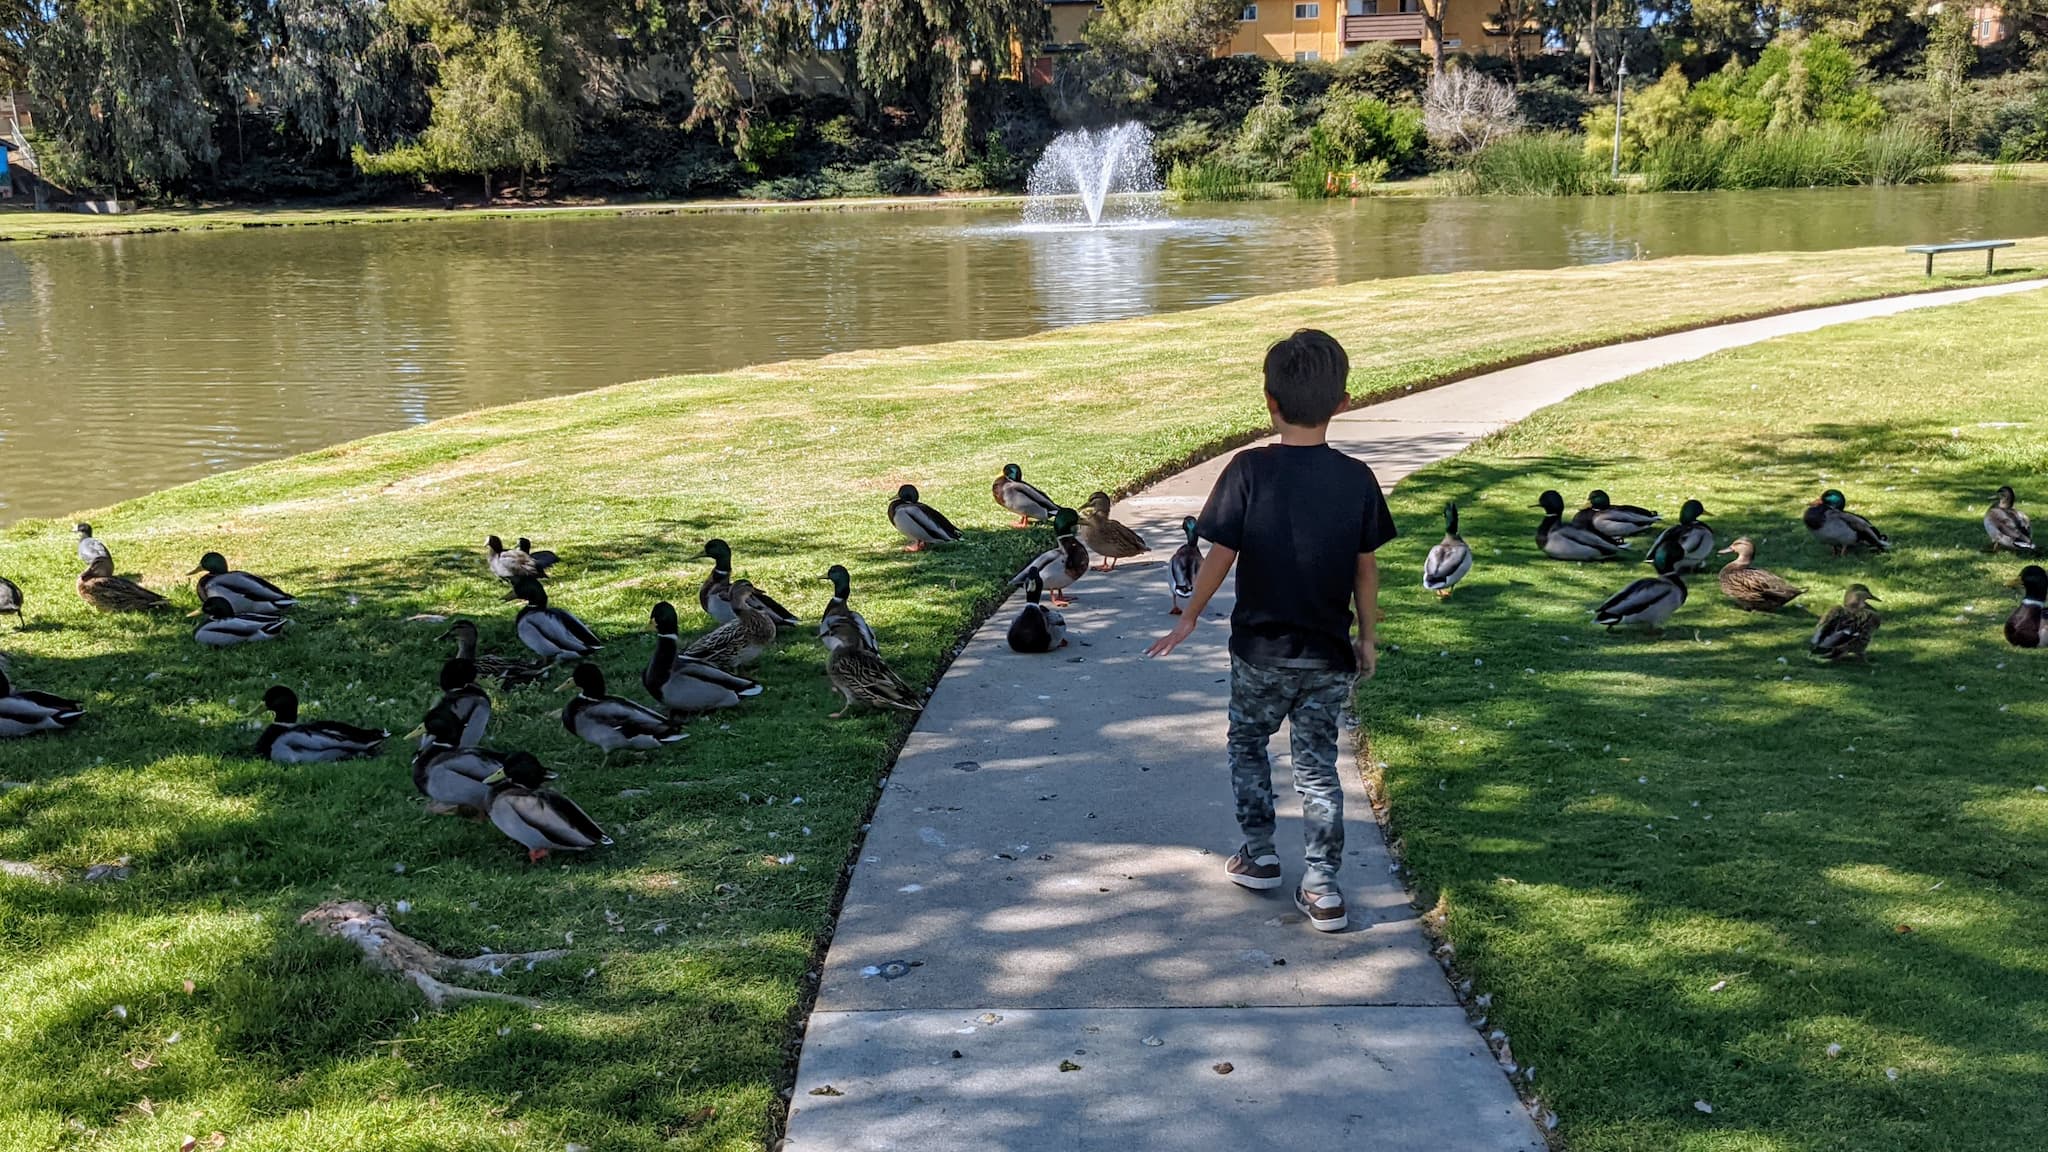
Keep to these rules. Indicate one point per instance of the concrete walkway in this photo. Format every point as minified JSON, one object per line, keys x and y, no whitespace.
{"x":1039,"y":950}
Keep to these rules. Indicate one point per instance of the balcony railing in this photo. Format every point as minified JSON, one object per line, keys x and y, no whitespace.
{"x":1400,"y":26}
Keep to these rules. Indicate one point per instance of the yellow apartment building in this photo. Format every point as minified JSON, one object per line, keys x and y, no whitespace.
{"x":1330,"y":29}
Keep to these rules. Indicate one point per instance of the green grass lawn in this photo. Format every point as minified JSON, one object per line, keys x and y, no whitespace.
{"x":1685,"y":867}
{"x":669,"y":1026}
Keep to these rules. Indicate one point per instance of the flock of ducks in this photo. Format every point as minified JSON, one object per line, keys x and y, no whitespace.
{"x":1601,"y":531}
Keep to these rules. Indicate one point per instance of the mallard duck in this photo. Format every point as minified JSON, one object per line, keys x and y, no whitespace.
{"x":1450,"y":560}
{"x":541,"y":557}
{"x":1754,"y":589}
{"x":222,"y":628}
{"x":508,"y":671}
{"x":613,"y":722}
{"x":1847,"y":628}
{"x":1648,"y":602}
{"x":2007,"y":526}
{"x":551,"y":633}
{"x":684,"y":684}
{"x":99,"y":587}
{"x":1030,"y":505}
{"x":715,"y":595}
{"x":2027,"y":627}
{"x":736,"y":644}
{"x":1614,"y":521}
{"x":1842,"y":531}
{"x":863,"y":677}
{"x":1037,"y":628}
{"x":539,"y":818}
{"x":248,"y":595}
{"x":509,"y":564}
{"x":288,"y":741}
{"x":1182,"y":568}
{"x":449,"y":771}
{"x":1562,"y":541}
{"x":23,"y":712}
{"x":1063,"y":563}
{"x":836,"y":610}
{"x":89,"y":548}
{"x":1693,"y":538}
{"x":463,"y":699}
{"x":11,"y":602}
{"x":1107,"y":538}
{"x":920,"y":523}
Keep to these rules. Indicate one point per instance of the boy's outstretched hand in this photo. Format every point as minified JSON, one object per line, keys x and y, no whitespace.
{"x":1173,"y":639}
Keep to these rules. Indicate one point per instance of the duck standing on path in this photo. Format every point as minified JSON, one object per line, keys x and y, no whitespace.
{"x":1012,"y":491}
{"x":511,"y":564}
{"x":837,"y":610}
{"x":613,"y":722}
{"x":1847,"y":628}
{"x":463,"y":699}
{"x":24,"y":712}
{"x":1037,"y":628}
{"x":11,"y":602}
{"x":2007,"y":526}
{"x":863,"y":677}
{"x":99,"y":587}
{"x":222,"y":628}
{"x":552,"y":633}
{"x":89,"y":547}
{"x":688,"y":686}
{"x":1561,"y":541}
{"x":715,"y":596}
{"x":920,"y":523}
{"x":739,"y":643}
{"x":287,"y":740}
{"x":1694,"y":540}
{"x":1063,"y":563}
{"x":248,"y":595}
{"x":509,"y":672}
{"x":1831,"y":523}
{"x":1648,"y":602}
{"x":1184,"y":564}
{"x":1107,"y":538}
{"x":1450,"y":560}
{"x":1753,"y":589}
{"x":1614,"y":521}
{"x":2027,"y":627}
{"x":538,"y":818}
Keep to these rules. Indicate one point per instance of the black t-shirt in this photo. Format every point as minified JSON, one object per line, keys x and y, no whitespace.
{"x":1298,"y":518}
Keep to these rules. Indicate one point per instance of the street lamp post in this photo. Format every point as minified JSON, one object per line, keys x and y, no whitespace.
{"x":1620,"y":76}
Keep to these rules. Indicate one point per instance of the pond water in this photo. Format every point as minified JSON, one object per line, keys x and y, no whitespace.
{"x":128,"y":364}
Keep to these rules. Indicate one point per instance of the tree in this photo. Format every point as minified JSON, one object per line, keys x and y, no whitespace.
{"x":497,"y":108}
{"x":1464,"y":111}
{"x":1951,"y":53}
{"x":1433,"y":24}
{"x":934,"y":44}
{"x":1511,"y":17}
{"x":1161,"y":37}
{"x":344,"y":74}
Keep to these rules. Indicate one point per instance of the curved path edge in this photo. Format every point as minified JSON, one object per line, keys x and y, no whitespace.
{"x":1037,"y":949}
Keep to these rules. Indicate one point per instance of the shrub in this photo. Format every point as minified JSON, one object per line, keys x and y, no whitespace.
{"x":1539,"y":164}
{"x":1380,"y":69}
{"x":1270,"y":136}
{"x":1210,"y":180}
{"x":1464,"y":111}
{"x":1359,"y":128}
{"x":1901,"y":155}
{"x":1690,"y":162}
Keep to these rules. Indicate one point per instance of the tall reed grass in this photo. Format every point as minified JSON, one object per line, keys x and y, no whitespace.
{"x":1821,"y":156}
{"x":1539,"y":164}
{"x":1211,"y":180}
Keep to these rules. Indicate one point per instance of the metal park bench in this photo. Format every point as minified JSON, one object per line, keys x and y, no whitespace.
{"x":1988,"y":247}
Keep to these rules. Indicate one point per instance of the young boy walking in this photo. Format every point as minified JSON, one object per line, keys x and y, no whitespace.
{"x":1300,"y":521}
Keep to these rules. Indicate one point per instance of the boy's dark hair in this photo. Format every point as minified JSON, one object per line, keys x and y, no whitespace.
{"x":1306,"y":375}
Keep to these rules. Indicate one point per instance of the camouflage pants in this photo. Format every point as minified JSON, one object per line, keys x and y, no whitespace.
{"x":1311,"y":700}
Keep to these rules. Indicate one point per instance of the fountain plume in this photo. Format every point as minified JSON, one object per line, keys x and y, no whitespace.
{"x":1085,"y":168}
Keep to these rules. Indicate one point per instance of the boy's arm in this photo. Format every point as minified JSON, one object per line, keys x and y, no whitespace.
{"x":1208,"y":578}
{"x":1367,"y":591}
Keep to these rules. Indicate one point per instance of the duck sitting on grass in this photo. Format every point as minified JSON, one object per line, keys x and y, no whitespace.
{"x":1648,"y":602}
{"x":2027,"y":627}
{"x":540,"y":819}
{"x":688,"y":686}
{"x":1614,"y":521}
{"x":1694,"y":540}
{"x":289,"y":740}
{"x":465,"y":700}
{"x":1831,"y":523}
{"x":99,"y":587}
{"x":552,"y":633}
{"x":739,"y":643}
{"x":508,"y":671}
{"x":450,"y":773}
{"x":715,"y":596}
{"x":2007,"y":526}
{"x":12,"y":602}
{"x":24,"y":712}
{"x":1562,"y":541}
{"x":1753,"y":589}
{"x":248,"y":595}
{"x":1847,"y":628}
{"x":1018,"y":495}
{"x":509,"y":564}
{"x":222,"y":628}
{"x":613,"y":722}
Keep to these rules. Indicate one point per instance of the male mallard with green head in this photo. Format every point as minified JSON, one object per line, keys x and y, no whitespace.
{"x":1037,"y":628}
{"x":1185,"y":563}
{"x":863,"y":677}
{"x":1648,"y":602}
{"x":1013,"y":492}
{"x":1847,"y":628}
{"x":510,"y":564}
{"x":613,"y":722}
{"x":538,"y":818}
{"x":1753,"y":589}
{"x":24,"y":712}
{"x":1694,"y":540}
{"x":224,"y":629}
{"x":463,"y":698}
{"x":449,"y":771}
{"x":1107,"y":538}
{"x":508,"y":671}
{"x":1614,"y":521}
{"x":1063,"y":563}
{"x":920,"y":523}
{"x":687,"y":685}
{"x":1831,"y":523}
{"x":2027,"y":627}
{"x":99,"y":587}
{"x":1562,"y":541}
{"x":715,"y":594}
{"x":740,"y":642}
{"x":248,"y":595}
{"x":837,"y":609}
{"x":553,"y":634}
{"x":289,"y":740}
{"x":1450,"y":560}
{"x":11,"y":602}
{"x":2007,"y":526}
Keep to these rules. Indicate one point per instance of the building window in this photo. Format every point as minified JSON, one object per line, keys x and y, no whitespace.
{"x":1453,"y":44}
{"x":1307,"y":57}
{"x":1308,"y":11}
{"x":1250,"y":13}
{"x":1363,"y":7}
{"x":1410,"y":7}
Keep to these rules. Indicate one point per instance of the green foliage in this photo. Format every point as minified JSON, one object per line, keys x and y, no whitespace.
{"x":929,"y":50}
{"x":497,"y":108}
{"x":1155,"y":38}
{"x":1380,"y":68}
{"x":1538,"y":164}
{"x":1355,"y":128}
{"x":2023,"y":133}
{"x":766,"y":145}
{"x":1210,"y":180}
{"x":1951,"y":52}
{"x":1271,"y":136}
{"x":1897,"y":154}
{"x":1688,"y":162}
{"x":1795,"y":82}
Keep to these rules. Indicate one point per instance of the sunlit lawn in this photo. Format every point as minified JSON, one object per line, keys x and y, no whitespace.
{"x":669,"y":1025}
{"x":1686,"y":867}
